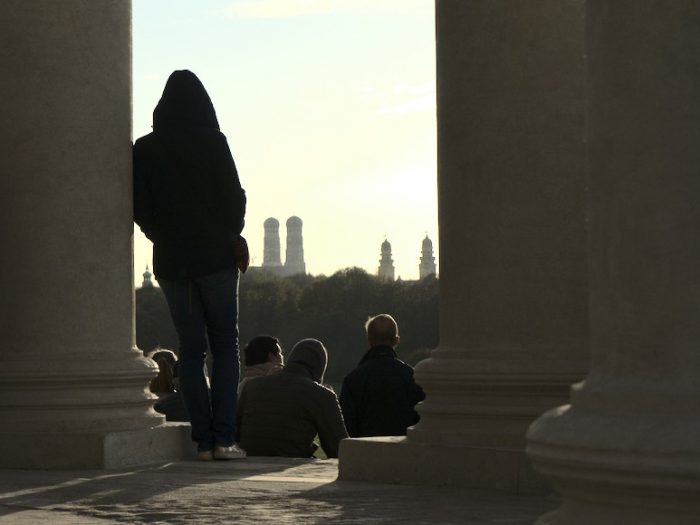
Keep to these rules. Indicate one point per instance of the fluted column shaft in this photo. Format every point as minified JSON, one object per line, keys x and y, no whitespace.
{"x":68,"y":362}
{"x":627,"y":449}
{"x":511,"y":176}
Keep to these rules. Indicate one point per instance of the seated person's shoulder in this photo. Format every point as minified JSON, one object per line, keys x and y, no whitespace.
{"x":323,"y":392}
{"x":403,"y":364}
{"x":355,"y":372}
{"x":327,"y":390}
{"x":393,"y":368}
{"x":407,"y":371}
{"x":384,"y":364}
{"x":312,"y":385}
{"x":252,"y":385}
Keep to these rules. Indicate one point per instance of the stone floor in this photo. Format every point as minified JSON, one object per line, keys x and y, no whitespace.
{"x":250,"y":491}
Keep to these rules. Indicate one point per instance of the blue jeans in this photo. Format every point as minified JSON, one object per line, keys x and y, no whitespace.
{"x":206,"y":308}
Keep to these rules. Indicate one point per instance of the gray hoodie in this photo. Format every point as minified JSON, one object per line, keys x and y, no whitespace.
{"x":281,"y":414}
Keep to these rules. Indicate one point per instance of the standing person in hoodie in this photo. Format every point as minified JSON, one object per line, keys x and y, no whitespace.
{"x":190,"y":204}
{"x":378,"y":398}
{"x":281,"y":414}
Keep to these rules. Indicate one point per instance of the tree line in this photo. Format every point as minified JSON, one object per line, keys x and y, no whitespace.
{"x":332,"y":309}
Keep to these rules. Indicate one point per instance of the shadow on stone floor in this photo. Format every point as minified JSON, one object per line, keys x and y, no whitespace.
{"x":252,"y":491}
{"x":368,"y":503}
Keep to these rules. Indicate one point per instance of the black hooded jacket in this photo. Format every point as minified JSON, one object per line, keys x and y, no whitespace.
{"x":187,"y":196}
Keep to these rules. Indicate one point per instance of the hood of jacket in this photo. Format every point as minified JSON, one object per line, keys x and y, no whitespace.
{"x":184,"y":104}
{"x":308,"y":357}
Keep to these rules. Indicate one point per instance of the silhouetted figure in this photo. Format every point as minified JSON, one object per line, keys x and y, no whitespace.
{"x":165,"y":386}
{"x":379,"y":396}
{"x":189,"y":202}
{"x":280,"y":414}
{"x":262,"y":356}
{"x":164,"y":382}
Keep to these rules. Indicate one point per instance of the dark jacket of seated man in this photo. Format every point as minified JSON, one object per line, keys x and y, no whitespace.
{"x":280,"y":414}
{"x":378,"y":398}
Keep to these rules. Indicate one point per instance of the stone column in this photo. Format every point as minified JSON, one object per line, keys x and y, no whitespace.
{"x":73,"y":386}
{"x":627,"y":449}
{"x":511,"y":181}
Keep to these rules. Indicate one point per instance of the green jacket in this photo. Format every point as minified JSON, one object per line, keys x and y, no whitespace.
{"x":280,"y":415}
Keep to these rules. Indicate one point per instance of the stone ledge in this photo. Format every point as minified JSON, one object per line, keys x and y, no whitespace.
{"x":96,"y":450}
{"x":400,"y":461}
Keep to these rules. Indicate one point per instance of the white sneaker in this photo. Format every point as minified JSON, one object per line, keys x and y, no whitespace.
{"x":232,"y":452}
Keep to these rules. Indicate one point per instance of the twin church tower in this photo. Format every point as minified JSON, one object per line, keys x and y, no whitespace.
{"x":294,"y":260}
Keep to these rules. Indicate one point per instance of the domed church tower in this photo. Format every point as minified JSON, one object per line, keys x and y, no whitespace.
{"x":386,"y":263}
{"x":294,"y":260}
{"x":271,"y":245}
{"x":147,"y":282}
{"x":427,"y":260}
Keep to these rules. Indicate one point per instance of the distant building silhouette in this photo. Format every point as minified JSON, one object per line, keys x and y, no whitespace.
{"x":386,"y":263}
{"x":294,"y":260}
{"x":427,"y":260}
{"x":147,"y":282}
{"x":271,"y":250}
{"x":294,"y":257}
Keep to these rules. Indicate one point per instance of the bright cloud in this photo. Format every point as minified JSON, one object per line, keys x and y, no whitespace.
{"x":297,"y":8}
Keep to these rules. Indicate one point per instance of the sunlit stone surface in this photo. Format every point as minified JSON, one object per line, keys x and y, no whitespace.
{"x":71,"y":382}
{"x":627,"y":450}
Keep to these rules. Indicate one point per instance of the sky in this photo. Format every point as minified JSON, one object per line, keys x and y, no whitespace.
{"x":328,"y":107}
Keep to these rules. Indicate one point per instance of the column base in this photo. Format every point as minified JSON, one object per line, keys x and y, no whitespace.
{"x":96,"y":450}
{"x":401,"y":461}
{"x":574,"y":512}
{"x":619,"y":467}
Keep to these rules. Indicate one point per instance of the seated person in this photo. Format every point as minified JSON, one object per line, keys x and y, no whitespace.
{"x":262,"y":356}
{"x":164,"y":382}
{"x":165,"y":386}
{"x":281,"y":414}
{"x":379,"y":396}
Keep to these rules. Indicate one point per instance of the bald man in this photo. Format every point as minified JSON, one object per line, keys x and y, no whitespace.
{"x":378,"y":398}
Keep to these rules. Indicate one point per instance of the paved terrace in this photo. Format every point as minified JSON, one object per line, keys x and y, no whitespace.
{"x":250,"y":491}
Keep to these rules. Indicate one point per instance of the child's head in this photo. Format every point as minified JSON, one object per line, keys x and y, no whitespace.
{"x":262,"y":349}
{"x":382,"y":329}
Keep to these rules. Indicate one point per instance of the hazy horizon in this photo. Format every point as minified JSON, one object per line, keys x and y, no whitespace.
{"x":329,"y":109}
